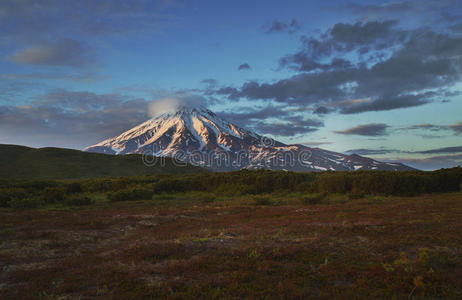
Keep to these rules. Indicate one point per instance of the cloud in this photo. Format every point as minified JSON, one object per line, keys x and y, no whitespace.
{"x":210,"y":81}
{"x":442,"y":150}
{"x":78,"y":77}
{"x":175,"y":101}
{"x":449,"y":17}
{"x":50,"y":119}
{"x":362,"y":67}
{"x":385,"y":8}
{"x":62,"y":52}
{"x":372,"y":129}
{"x":248,"y":116}
{"x":457,"y":128}
{"x":383,"y":151}
{"x":343,"y":38}
{"x":387,"y":103}
{"x":11,"y":91}
{"x":431,"y":136}
{"x":272,"y":120}
{"x":286,"y":129}
{"x":244,"y":66}
{"x":315,"y":144}
{"x":59,"y":32}
{"x":277,"y":26}
{"x":363,"y":151}
{"x":321,"y":110}
{"x":301,"y":62}
{"x":230,"y":91}
{"x":425,"y":126}
{"x":432,"y":163}
{"x":44,"y":18}
{"x":426,"y":12}
{"x":457,"y":28}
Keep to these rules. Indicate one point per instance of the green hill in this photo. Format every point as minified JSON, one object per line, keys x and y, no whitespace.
{"x":57,"y":163}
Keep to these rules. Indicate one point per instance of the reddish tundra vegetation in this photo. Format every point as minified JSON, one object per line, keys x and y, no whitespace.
{"x":368,"y":248}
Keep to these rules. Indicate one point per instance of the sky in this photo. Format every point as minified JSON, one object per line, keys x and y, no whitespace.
{"x":381,"y":79}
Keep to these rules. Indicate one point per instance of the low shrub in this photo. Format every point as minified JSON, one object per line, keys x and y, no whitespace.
{"x":355,"y":195}
{"x":25,"y":203}
{"x":170,"y":185}
{"x":4,"y":199}
{"x":313,"y":198}
{"x":79,"y":200}
{"x":262,"y":200}
{"x":376,"y":199}
{"x":8,"y":194}
{"x":130,"y":195}
{"x":336,"y":198}
{"x":74,"y":188}
{"x":208,"y":199}
{"x":204,"y":197}
{"x":163,"y":196}
{"x":119,"y":196}
{"x":53,"y":195}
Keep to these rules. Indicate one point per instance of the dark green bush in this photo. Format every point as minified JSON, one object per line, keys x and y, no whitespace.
{"x":74,"y":188}
{"x":163,"y":196}
{"x":130,"y":195}
{"x":25,"y":203}
{"x":171,"y":185}
{"x":208,"y":199}
{"x":355,"y":195}
{"x":8,"y":194}
{"x":4,"y":199}
{"x":204,"y":197}
{"x":313,"y":198}
{"x":79,"y":200}
{"x":53,"y":195}
{"x":262,"y":200}
{"x":120,"y":196}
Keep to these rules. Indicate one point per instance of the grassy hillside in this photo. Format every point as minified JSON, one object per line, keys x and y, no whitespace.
{"x":56,"y":163}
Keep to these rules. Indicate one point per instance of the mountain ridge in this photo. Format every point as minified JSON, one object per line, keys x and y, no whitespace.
{"x":58,"y":163}
{"x":198,"y":136}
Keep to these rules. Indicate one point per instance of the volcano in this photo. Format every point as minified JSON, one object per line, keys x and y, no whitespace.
{"x":198,"y":136}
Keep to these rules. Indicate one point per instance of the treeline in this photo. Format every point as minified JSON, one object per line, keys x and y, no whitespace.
{"x":265,"y":182}
{"x":34,"y":193}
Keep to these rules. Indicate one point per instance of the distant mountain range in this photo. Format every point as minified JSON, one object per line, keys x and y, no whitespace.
{"x":199,"y":136}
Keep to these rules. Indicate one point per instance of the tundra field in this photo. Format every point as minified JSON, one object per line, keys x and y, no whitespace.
{"x":116,"y":240}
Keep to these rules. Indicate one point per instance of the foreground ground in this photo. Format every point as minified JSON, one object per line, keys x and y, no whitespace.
{"x":390,"y":248}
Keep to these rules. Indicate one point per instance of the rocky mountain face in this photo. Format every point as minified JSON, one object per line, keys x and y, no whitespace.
{"x":198,"y":136}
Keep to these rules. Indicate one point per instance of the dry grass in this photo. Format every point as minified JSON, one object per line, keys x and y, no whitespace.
{"x":368,"y":248}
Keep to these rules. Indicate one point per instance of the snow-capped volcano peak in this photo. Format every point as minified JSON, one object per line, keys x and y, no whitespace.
{"x":198,"y":135}
{"x":186,"y":128}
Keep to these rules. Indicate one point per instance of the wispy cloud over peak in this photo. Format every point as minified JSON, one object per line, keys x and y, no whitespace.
{"x":175,"y":101}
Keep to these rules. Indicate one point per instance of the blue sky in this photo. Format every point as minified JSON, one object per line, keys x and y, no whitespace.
{"x":378,"y":78}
